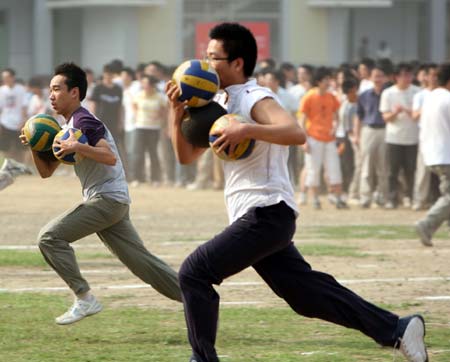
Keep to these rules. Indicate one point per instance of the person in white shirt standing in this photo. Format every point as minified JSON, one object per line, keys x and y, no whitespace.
{"x":13,"y":109}
{"x":402,"y":132}
{"x":435,"y":148}
{"x":422,"y":182}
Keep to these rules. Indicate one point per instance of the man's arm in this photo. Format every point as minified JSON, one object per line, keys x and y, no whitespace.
{"x":101,"y":152}
{"x":185,"y":152}
{"x":274,"y":125}
{"x":45,"y":162}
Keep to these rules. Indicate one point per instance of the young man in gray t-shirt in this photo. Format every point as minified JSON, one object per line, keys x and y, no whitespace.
{"x":105,"y":209}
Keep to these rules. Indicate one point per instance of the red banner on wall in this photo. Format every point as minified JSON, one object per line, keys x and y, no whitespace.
{"x":261,"y":31}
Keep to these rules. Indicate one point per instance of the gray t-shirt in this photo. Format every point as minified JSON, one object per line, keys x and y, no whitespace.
{"x":97,"y":178}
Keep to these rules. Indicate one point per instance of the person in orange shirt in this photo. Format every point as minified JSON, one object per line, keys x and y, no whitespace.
{"x":318,"y":115}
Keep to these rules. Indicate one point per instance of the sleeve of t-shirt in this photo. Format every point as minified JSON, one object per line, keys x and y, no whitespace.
{"x":93,"y":129}
{"x":360,"y":108}
{"x":253,"y":96}
{"x":95,"y":94}
{"x":304,"y":105}
{"x":417,"y":101}
{"x":385,"y":105}
{"x":336,"y":104}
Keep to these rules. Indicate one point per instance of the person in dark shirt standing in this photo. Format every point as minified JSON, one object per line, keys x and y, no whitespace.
{"x":107,"y":106}
{"x":370,"y":134}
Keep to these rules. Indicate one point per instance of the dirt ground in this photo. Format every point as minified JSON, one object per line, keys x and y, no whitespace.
{"x":172,"y":222}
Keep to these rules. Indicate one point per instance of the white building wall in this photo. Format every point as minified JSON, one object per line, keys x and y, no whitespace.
{"x":109,"y":33}
{"x":20,"y":49}
{"x":397,"y":25}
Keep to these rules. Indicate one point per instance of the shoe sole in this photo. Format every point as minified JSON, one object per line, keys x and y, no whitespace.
{"x":424,"y":238}
{"x":95,"y":311}
{"x":420,"y":334}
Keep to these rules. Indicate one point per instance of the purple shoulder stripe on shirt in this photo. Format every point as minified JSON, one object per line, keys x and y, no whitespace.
{"x":91,"y":127}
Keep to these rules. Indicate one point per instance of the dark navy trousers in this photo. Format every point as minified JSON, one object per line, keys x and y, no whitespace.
{"x":262,"y":238}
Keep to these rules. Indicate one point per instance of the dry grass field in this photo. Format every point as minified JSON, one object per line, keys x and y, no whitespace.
{"x":374,"y":252}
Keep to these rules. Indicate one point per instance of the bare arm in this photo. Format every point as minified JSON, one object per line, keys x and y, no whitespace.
{"x":274,"y":125}
{"x":390,"y":116}
{"x":44,"y":162}
{"x":185,"y":152}
{"x":100,"y":152}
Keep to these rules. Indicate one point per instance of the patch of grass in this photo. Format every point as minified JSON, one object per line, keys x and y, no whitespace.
{"x":330,"y":250}
{"x":35,"y":258}
{"x":28,"y":333}
{"x":377,"y":232}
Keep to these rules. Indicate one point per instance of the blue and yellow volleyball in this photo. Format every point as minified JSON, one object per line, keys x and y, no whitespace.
{"x":198,"y":82}
{"x":71,"y":158}
{"x":40,"y":130}
{"x":243,"y":149}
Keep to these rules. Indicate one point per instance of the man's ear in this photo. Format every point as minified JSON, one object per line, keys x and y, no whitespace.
{"x":238,"y":64}
{"x":75,"y":93}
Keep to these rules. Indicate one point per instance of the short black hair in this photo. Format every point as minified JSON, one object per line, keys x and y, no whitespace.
{"x":403,"y":67}
{"x":368,"y":62}
{"x":308,"y":67}
{"x":349,"y":84}
{"x":277,"y":74}
{"x":320,"y":74}
{"x":385,"y":65}
{"x":238,"y":42}
{"x":443,"y":74}
{"x":286,"y":66}
{"x":108,"y":68}
{"x":152,"y":80}
{"x":130,"y":72}
{"x":75,"y":77}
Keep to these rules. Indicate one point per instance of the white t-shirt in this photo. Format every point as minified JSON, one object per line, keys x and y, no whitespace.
{"x":12,"y":102}
{"x":418,"y":99}
{"x":297,"y":92}
{"x":403,"y":130}
{"x":127,"y":101}
{"x":286,"y":100}
{"x":364,"y":85}
{"x":261,"y":179}
{"x":435,"y":128}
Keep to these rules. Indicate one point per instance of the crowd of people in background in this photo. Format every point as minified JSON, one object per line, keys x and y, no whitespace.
{"x":362,"y":122}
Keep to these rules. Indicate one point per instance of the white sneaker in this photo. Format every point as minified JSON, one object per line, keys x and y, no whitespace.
{"x":15,"y":168}
{"x":412,"y":342}
{"x":424,"y":233}
{"x":79,"y":310}
{"x":5,"y":179}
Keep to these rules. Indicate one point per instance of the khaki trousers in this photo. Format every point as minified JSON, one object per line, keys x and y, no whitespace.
{"x":110,"y":220}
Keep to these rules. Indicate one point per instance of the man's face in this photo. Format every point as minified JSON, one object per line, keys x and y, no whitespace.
{"x":8,"y":79}
{"x":363,"y":71}
{"x":404,"y":79}
{"x":60,"y":96}
{"x":378,"y":78}
{"x":126,"y":78}
{"x":302,"y":75}
{"x":271,"y":82}
{"x":432,"y":78}
{"x":324,"y":84}
{"x":218,"y":60}
{"x":108,"y":77}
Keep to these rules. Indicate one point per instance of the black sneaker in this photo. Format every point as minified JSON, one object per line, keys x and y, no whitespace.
{"x":412,"y":343}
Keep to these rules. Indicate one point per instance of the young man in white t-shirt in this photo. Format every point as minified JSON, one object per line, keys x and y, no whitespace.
{"x":402,"y":132}
{"x":13,"y":109}
{"x":422,"y":181}
{"x":262,"y":212}
{"x":435,"y":148}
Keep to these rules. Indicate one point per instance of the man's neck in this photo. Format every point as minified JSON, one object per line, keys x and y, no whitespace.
{"x":68,"y":114}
